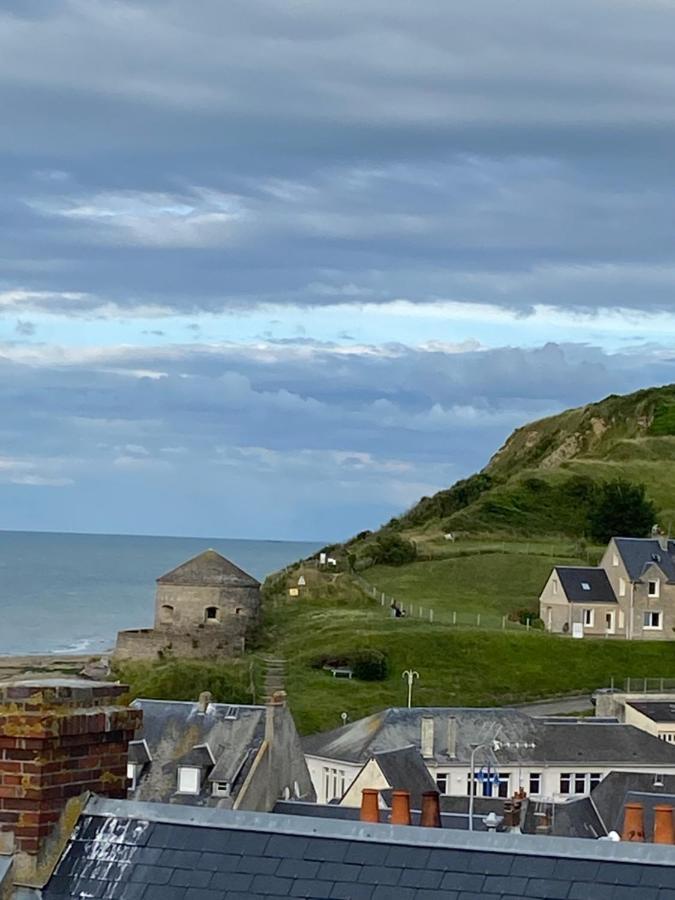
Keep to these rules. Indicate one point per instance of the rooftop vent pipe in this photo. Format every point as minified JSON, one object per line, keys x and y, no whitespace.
{"x":370,"y":807}
{"x":633,"y":822}
{"x":400,"y":808}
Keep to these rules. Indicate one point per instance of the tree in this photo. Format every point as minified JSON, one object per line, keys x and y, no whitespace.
{"x":393,"y":550}
{"x":620,"y":509}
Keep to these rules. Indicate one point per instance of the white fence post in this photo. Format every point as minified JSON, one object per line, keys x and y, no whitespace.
{"x":478,"y":620}
{"x":454,"y":618}
{"x":431,"y":615}
{"x":503,"y":623}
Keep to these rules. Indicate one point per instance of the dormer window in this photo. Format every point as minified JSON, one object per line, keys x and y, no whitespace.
{"x":189,"y":780}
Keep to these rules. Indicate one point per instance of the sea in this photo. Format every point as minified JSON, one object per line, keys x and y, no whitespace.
{"x":72,"y":593}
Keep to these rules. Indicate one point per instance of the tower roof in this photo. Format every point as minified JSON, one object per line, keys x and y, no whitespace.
{"x":209,"y":569}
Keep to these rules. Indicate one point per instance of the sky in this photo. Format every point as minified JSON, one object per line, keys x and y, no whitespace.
{"x":278,"y":269}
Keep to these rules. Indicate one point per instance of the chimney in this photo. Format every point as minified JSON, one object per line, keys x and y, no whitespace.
{"x":664,"y":833}
{"x":427,"y":737}
{"x":431,"y":810}
{"x":370,"y":805}
{"x":204,"y":699}
{"x":512,"y":810}
{"x":400,"y":808}
{"x":61,"y":739}
{"x":452,"y":737}
{"x":633,"y":822}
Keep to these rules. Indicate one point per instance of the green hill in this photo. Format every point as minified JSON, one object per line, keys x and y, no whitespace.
{"x":514,"y":520}
{"x":538,"y":483}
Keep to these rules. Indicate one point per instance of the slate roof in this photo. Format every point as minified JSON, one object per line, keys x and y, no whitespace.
{"x":554,"y":741}
{"x":209,"y":569}
{"x":573,"y":577}
{"x":176,"y":732}
{"x":638,"y":553}
{"x":656,"y":710}
{"x":405,"y":770}
{"x":143,"y":851}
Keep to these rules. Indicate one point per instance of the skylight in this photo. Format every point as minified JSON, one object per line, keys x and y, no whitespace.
{"x":585,"y":585}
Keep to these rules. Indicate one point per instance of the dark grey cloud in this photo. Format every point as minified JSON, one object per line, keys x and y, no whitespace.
{"x":225,"y":155}
{"x":290,"y":439}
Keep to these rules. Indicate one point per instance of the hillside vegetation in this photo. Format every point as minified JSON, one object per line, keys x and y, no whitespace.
{"x":525,"y":512}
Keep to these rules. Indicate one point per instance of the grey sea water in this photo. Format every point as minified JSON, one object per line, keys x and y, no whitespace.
{"x":73,"y":592}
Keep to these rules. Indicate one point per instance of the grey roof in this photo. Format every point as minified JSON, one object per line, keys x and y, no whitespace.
{"x":656,"y":710}
{"x":404,"y":770}
{"x":209,"y":569}
{"x":609,"y":796}
{"x":143,"y":851}
{"x":638,"y":553}
{"x":177,"y":733}
{"x":556,"y":741}
{"x":572,"y":579}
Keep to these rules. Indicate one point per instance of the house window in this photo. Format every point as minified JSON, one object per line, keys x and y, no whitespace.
{"x":594,"y":780}
{"x":622,"y":621}
{"x":489,"y":783}
{"x":211,"y":614}
{"x":622,"y":587}
{"x":166,"y":614}
{"x":333,"y":783}
{"x":535,"y":782}
{"x":651,"y":620}
{"x":653,"y":588}
{"x":442,"y":782}
{"x":554,"y":584}
{"x":585,"y":586}
{"x":189,"y":780}
{"x":579,"y":783}
{"x":588,"y":618}
{"x":615,"y":559}
{"x":566,"y":783}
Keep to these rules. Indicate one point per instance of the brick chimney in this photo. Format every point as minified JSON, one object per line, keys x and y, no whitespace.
{"x":59,"y":739}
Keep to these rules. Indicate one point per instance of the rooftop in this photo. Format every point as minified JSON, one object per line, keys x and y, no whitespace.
{"x":548,"y":741}
{"x":209,"y":569}
{"x":639,"y":553}
{"x":582,"y":584}
{"x":656,"y":710}
{"x":123,"y":849}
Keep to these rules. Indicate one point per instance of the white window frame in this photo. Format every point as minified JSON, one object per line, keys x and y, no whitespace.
{"x":657,"y":588}
{"x":622,"y":587}
{"x":588,"y":618}
{"x":535,"y":779}
{"x":189,"y":780}
{"x":554,"y":584}
{"x":622,"y":620}
{"x":652,"y":612}
{"x":443,"y":782}
{"x":615,"y":559}
{"x":334,"y":782}
{"x":133,"y":774}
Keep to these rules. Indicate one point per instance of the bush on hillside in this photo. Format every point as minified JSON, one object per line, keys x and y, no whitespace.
{"x":366,"y":665}
{"x":392,"y":550}
{"x":620,"y":508}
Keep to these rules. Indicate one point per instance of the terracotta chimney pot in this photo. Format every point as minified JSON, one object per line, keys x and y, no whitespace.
{"x":370,"y":808}
{"x":400,"y":808}
{"x":664,"y":833}
{"x":633,"y":822}
{"x":431,"y":810}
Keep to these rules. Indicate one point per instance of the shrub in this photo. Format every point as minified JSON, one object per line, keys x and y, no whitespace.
{"x":366,"y":665}
{"x":393,"y":550}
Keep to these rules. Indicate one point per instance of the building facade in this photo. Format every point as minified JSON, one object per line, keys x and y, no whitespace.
{"x":630,"y":594}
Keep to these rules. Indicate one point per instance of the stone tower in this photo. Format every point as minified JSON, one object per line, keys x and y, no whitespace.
{"x":203,"y":608}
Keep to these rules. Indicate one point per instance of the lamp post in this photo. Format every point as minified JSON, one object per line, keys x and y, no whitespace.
{"x":411,"y":675}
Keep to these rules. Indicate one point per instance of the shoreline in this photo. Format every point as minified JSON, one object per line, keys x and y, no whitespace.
{"x":44,"y":663}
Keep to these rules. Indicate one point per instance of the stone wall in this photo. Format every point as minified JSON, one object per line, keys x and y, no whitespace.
{"x":154,"y":644}
{"x":182,"y":608}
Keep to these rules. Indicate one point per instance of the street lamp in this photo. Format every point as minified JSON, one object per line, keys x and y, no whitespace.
{"x":493,"y":745}
{"x":411,"y":675}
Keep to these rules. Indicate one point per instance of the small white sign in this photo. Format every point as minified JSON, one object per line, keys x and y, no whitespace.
{"x":577,"y":630}
{"x":301,"y":581}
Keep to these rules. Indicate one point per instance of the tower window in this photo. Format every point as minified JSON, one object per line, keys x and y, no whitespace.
{"x":166,"y":614}
{"x":211,"y":614}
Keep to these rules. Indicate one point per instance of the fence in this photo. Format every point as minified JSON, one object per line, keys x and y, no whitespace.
{"x":426,"y":611}
{"x":646,"y":685}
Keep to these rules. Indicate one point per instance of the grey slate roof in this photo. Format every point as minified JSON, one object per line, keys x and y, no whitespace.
{"x":209,"y":569}
{"x":176,"y":732}
{"x":572,"y":579}
{"x":557,"y":741}
{"x":135,"y":851}
{"x":405,"y":770}
{"x":656,"y":710}
{"x":638,"y":553}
